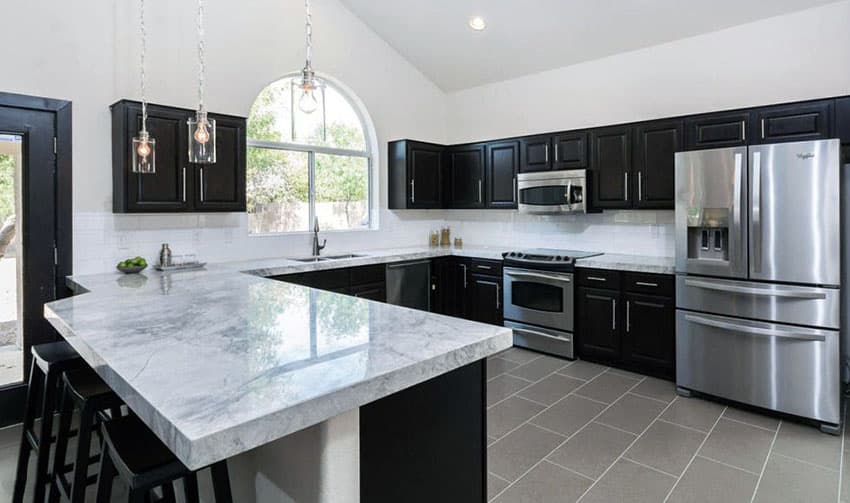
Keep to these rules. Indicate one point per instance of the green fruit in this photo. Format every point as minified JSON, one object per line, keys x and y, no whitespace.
{"x":122,"y":264}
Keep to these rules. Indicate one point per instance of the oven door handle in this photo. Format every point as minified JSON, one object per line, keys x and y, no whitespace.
{"x":540,"y":334}
{"x":532,"y":275}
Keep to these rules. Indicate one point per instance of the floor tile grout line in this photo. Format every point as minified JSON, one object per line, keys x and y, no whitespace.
{"x":766,"y":459}
{"x":729,"y":465}
{"x":749,"y":424}
{"x":685,"y":427}
{"x":696,"y":453}
{"x":498,"y":477}
{"x":569,"y":470}
{"x":549,"y":430}
{"x":600,"y":402}
{"x":532,"y":467}
{"x":648,"y":397}
{"x":647,"y":466}
{"x":515,"y":394}
{"x":814,"y":465}
{"x":615,"y":428}
{"x":623,"y":454}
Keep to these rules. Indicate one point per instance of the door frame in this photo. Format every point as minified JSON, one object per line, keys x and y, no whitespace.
{"x":13,"y":396}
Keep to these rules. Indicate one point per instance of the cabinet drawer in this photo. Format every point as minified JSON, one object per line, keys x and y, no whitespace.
{"x":599,"y":278}
{"x":491,"y":267}
{"x":653,"y":284}
{"x":368,"y":274}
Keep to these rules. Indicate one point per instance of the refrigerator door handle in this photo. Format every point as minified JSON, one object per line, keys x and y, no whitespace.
{"x":767,"y":332}
{"x":736,"y":208}
{"x":786,"y":293}
{"x":756,"y":212}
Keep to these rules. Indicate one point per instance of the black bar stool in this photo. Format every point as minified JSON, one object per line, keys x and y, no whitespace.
{"x":84,"y":391}
{"x":144,"y":463}
{"x":49,"y":362}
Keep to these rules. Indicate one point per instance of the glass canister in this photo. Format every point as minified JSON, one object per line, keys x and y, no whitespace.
{"x":435,"y":238}
{"x":445,"y":236}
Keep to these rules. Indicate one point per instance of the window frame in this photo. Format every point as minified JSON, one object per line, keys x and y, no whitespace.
{"x":312,"y":150}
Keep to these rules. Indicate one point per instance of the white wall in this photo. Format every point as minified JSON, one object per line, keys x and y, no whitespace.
{"x":88,"y":53}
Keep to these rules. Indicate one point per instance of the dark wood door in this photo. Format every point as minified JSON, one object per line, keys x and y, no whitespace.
{"x":451,"y":283}
{"x":221,"y":186}
{"x":842,"y":119}
{"x":485,"y":299}
{"x":466,"y":165}
{"x":656,"y":144}
{"x":502,"y":169}
{"x":570,"y":150}
{"x":375,"y":291}
{"x":534,"y":154}
{"x":598,"y":323}
{"x":649,"y":340}
{"x":798,"y":122}
{"x":611,"y":163}
{"x":724,"y":129}
{"x":424,"y":175}
{"x":167,"y":189}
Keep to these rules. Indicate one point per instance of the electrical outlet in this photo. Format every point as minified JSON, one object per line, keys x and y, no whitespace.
{"x":123,"y":241}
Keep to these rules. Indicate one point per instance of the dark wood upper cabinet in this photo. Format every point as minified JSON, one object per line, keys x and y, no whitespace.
{"x":570,"y":150}
{"x":842,"y":119}
{"x":221,"y":186}
{"x":611,"y":163}
{"x":534,"y":154}
{"x":718,"y":130}
{"x":415,"y":175}
{"x":797,"y":122}
{"x":656,"y":144}
{"x":502,"y":168}
{"x":466,"y":168}
{"x":176,"y":185}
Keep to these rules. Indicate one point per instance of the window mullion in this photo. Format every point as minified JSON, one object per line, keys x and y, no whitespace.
{"x":311,"y":187}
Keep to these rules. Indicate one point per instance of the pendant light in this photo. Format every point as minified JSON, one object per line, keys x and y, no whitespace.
{"x":308,"y":83}
{"x":144,"y":147}
{"x":201,"y":128}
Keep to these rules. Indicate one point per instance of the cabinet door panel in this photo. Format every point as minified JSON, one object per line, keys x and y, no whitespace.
{"x":221,"y":186}
{"x":424,"y":176}
{"x":534,"y":154}
{"x":166,"y":189}
{"x":376,"y":292}
{"x":486,"y":299}
{"x":725,"y":129}
{"x":842,"y":119}
{"x":570,"y":150}
{"x":598,"y":314}
{"x":611,"y":162}
{"x":466,"y":165}
{"x":654,"y":166}
{"x":502,"y":169}
{"x":800,"y":122}
{"x":649,"y":340}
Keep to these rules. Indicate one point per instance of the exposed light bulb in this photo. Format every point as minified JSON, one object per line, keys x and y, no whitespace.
{"x":308,"y":102}
{"x":144,"y":149}
{"x":202,"y":134}
{"x":477,"y":23}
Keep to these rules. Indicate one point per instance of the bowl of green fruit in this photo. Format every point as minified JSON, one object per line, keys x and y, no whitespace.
{"x":132,"y":265}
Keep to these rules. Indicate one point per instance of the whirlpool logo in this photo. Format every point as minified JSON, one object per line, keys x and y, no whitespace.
{"x":805,"y":155}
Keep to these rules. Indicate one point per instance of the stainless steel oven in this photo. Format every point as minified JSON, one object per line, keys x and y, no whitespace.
{"x":553,"y":192}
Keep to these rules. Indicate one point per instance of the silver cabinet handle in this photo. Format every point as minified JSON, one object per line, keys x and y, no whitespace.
{"x":761,"y":292}
{"x":485,"y":267}
{"x":202,"y":189}
{"x":498,"y":297}
{"x":762,"y":129}
{"x":626,"y":186}
{"x":556,"y":152}
{"x":613,"y":314}
{"x":184,"y":185}
{"x":515,"y":194}
{"x":464,"y":275}
{"x":640,"y":188}
{"x":547,"y":152}
{"x":480,"y":200}
{"x":767,"y":332}
{"x":628,"y":316}
{"x":597,"y":278}
{"x":644,"y":283}
{"x":412,"y":191}
{"x":744,"y":130}
{"x":756,"y":212}
{"x":493,"y":283}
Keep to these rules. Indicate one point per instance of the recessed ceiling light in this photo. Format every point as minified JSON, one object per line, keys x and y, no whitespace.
{"x":477,"y":23}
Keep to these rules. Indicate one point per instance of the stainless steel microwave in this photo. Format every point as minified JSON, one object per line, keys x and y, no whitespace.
{"x":553,"y":192}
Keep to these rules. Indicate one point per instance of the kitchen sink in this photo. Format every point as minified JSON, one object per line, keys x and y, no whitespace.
{"x":329,"y":257}
{"x":309,"y":259}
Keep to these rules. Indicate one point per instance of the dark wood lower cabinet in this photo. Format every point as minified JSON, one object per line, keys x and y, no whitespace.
{"x":485,"y":301}
{"x":630,"y":326}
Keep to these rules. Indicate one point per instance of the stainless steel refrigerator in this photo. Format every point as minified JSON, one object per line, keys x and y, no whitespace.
{"x":758,"y":275}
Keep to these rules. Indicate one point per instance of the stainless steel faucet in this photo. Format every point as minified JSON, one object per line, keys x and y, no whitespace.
{"x":317,"y":248}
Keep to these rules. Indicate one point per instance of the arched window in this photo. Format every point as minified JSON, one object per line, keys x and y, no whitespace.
{"x":304,"y":166}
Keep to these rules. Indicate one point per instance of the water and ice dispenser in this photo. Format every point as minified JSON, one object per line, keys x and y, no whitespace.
{"x":708,"y":234}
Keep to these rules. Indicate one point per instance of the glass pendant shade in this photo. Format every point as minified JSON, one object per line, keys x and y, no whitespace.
{"x":144,"y":154}
{"x":201,"y":138}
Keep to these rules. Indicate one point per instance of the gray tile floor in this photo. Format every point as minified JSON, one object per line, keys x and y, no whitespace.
{"x":562,"y":431}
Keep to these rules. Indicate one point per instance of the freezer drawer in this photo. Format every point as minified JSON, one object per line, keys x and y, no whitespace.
{"x":778,"y":367}
{"x":800,"y":305}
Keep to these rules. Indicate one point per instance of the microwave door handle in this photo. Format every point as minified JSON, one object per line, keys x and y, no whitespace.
{"x":570,"y":193}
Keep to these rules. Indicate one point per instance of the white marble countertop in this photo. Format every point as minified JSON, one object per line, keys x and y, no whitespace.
{"x":634,"y":263}
{"x":217,"y":362}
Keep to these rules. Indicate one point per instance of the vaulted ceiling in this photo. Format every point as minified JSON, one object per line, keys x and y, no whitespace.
{"x":528,"y":36}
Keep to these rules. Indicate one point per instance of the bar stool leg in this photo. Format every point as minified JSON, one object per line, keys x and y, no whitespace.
{"x":190,"y":487}
{"x":78,"y":487}
{"x":36,"y":384}
{"x":105,"y":476}
{"x":221,"y":483}
{"x":43,"y":455}
{"x":66,"y":413}
{"x":168,"y":495}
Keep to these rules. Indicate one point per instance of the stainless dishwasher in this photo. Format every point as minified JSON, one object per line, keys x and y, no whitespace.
{"x":409,"y":284}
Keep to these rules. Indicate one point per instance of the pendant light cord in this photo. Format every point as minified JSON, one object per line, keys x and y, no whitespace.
{"x":201,"y":67}
{"x":144,"y":35}
{"x":309,"y":34}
